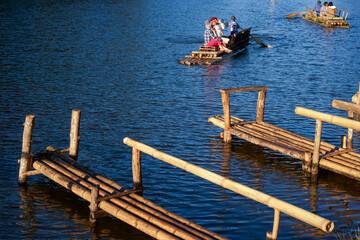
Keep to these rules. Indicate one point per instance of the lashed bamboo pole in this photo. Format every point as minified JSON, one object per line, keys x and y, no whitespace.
{"x":107,"y":206}
{"x":340,"y":121}
{"x":26,"y":148}
{"x":289,"y":209}
{"x":74,"y":134}
{"x":347,"y":106}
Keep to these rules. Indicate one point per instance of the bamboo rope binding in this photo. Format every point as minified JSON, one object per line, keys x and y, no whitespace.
{"x":287,"y":208}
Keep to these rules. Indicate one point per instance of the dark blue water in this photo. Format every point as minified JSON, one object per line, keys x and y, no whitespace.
{"x":117,"y":61}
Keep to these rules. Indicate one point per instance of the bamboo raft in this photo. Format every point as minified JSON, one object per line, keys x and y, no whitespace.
{"x":314,"y":153}
{"x":108,"y":197}
{"x":212,"y":55}
{"x":333,"y":22}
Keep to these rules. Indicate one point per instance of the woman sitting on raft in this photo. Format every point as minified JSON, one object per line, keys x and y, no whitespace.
{"x":210,"y":39}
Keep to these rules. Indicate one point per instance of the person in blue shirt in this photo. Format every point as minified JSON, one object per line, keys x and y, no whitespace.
{"x":318,"y":8}
{"x":233,"y":26}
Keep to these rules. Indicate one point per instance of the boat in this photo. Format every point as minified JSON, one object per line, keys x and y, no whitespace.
{"x":212,"y":55}
{"x":333,"y":22}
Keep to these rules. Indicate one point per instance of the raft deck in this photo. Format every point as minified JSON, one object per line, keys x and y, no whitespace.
{"x":333,"y":22}
{"x":108,"y":197}
{"x":314,"y":153}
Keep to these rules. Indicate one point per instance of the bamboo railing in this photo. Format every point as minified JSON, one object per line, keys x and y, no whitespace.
{"x":277,"y":204}
{"x":225,"y":97}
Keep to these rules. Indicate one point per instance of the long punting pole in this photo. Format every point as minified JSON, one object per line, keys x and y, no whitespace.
{"x":74,"y":134}
{"x":26,"y":148}
{"x":287,"y":208}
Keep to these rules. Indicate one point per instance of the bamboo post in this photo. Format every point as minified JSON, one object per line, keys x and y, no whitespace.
{"x":351,"y":115}
{"x":260,"y":106}
{"x":316,"y":154}
{"x":74,"y":134}
{"x":136,"y":169}
{"x":274,"y":234}
{"x":93,"y":205}
{"x":343,"y":141}
{"x":225,"y":97}
{"x":26,"y":148}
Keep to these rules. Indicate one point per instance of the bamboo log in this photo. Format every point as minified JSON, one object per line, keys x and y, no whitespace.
{"x":225,"y":97}
{"x":340,"y":168}
{"x":74,"y":134}
{"x":340,"y":121}
{"x":347,"y":106}
{"x":136,"y":169}
{"x":316,"y":153}
{"x":93,"y":205}
{"x":26,"y":149}
{"x":260,"y":106}
{"x":244,"y":89}
{"x":289,"y":209}
{"x":107,"y":206}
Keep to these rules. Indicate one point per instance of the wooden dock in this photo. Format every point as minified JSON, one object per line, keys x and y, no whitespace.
{"x":106,"y":197}
{"x":314,"y":153}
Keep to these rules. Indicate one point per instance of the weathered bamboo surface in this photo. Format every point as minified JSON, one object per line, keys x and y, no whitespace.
{"x":345,"y":162}
{"x":130,"y":208}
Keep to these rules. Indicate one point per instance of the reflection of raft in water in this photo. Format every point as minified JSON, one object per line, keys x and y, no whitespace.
{"x":211,"y":55}
{"x":336,"y":22}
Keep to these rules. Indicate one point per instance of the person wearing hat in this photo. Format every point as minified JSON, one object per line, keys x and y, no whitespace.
{"x":318,"y":8}
{"x":210,"y":39}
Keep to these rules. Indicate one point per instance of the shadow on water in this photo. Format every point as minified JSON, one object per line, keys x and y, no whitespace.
{"x":48,"y":208}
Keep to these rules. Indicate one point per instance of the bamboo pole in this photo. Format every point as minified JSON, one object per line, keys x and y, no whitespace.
{"x":136,"y":169}
{"x":244,"y":89}
{"x":260,"y":106}
{"x":273,"y":235}
{"x":316,"y":153}
{"x":26,"y":148}
{"x":74,"y":134}
{"x":347,"y":106}
{"x":93,"y":205}
{"x":287,"y":208}
{"x":340,"y":121}
{"x":225,"y":97}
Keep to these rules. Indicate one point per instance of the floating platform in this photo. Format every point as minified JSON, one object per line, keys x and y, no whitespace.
{"x":106,"y":197}
{"x":314,"y":153}
{"x":333,"y":22}
{"x":212,"y":55}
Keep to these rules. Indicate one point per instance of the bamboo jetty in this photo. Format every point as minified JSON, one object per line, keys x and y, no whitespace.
{"x":107,"y":197}
{"x":314,"y":153}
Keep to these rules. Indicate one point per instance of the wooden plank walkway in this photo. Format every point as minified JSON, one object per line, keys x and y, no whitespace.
{"x":106,"y":197}
{"x":313,"y":152}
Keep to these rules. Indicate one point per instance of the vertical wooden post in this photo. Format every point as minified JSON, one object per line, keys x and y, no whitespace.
{"x":225,"y":97}
{"x":274,"y":234}
{"x":136,"y":168}
{"x":93,"y":205}
{"x":260,"y":106}
{"x":26,"y":148}
{"x":74,"y":134}
{"x":316,"y":154}
{"x":350,"y":138}
{"x":343,"y":141}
